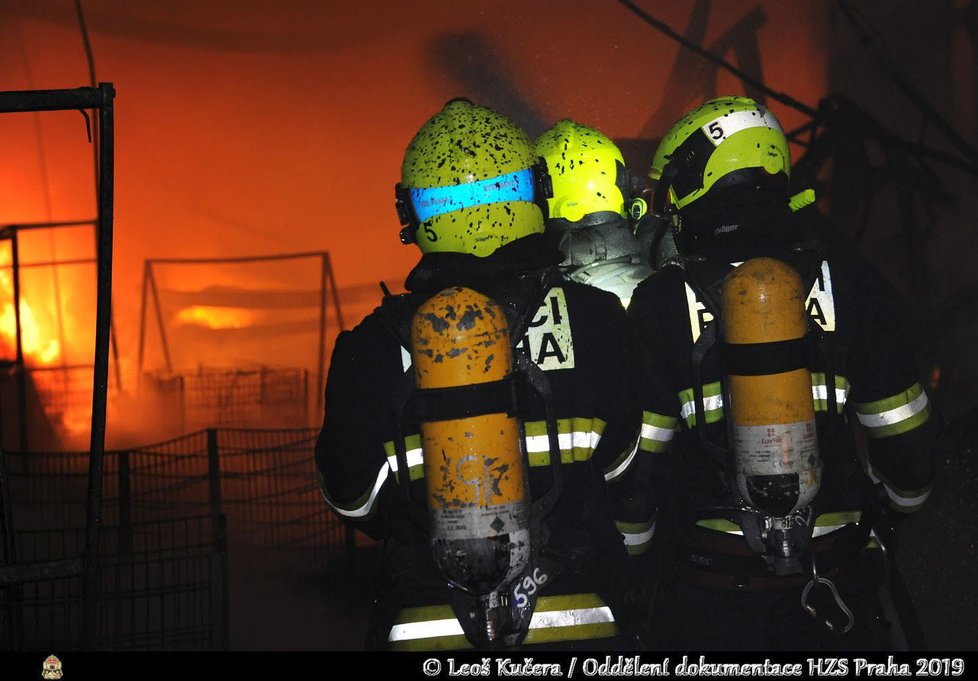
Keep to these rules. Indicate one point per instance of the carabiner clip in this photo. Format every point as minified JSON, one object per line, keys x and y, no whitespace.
{"x":816,"y":580}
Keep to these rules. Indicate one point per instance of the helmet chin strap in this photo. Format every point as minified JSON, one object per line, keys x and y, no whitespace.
{"x":668,"y":176}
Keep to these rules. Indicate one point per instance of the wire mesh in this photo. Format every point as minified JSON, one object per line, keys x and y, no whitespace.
{"x":267,"y":488}
{"x":228,"y":398}
{"x":167,"y":591}
{"x":162,"y":575}
{"x":271,"y":496}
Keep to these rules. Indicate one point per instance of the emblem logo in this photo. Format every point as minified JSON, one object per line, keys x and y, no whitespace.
{"x":52,"y":668}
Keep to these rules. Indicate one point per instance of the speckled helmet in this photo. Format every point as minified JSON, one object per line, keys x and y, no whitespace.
{"x":590,"y":181}
{"x":469,"y":183}
{"x":727,"y":142}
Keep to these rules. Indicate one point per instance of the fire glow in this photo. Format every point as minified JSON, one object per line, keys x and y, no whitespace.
{"x":40,"y":347}
{"x":215,"y":318}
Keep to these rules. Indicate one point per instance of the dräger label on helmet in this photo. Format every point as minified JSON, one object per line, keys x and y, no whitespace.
{"x":548,"y":341}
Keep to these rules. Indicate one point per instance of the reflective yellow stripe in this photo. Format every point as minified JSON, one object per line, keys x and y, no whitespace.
{"x":363,"y":507}
{"x":904,"y":501}
{"x":825,"y":523}
{"x":657,"y":432}
{"x":577,"y":439}
{"x":895,"y":415}
{"x":621,"y":464}
{"x":636,"y":536}
{"x":431,"y":627}
{"x":713,"y":398}
{"x":556,"y":618}
{"x":415,"y":457}
{"x":547,"y":633}
{"x":570,"y":618}
{"x":820,"y":392}
{"x":712,"y":403}
{"x":719,"y":525}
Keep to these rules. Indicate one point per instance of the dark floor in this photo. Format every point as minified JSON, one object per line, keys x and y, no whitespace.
{"x":937,"y":553}
{"x":938,"y":548}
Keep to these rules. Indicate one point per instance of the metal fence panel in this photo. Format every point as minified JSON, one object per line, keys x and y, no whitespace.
{"x":169,"y":592}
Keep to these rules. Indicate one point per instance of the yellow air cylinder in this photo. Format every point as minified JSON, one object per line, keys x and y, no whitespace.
{"x":777,"y":464}
{"x":474,"y":468}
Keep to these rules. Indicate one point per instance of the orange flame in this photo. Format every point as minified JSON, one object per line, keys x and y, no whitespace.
{"x":215,"y":317}
{"x":38,"y":346}
{"x":44,"y":351}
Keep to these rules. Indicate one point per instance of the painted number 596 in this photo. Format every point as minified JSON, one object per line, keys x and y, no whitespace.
{"x":528,"y":586}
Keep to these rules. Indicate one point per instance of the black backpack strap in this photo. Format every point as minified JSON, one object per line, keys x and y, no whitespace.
{"x":808,"y":262}
{"x":709,"y":295}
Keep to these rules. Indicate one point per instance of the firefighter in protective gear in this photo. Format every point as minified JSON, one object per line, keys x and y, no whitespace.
{"x":736,"y":571}
{"x":589,"y":209}
{"x":469,"y":197}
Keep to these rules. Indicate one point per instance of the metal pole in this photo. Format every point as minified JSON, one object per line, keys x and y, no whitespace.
{"x":336,"y":295}
{"x":159,"y":319}
{"x":125,"y":505}
{"x":7,"y":547}
{"x":21,"y":369}
{"x":8,"y":557}
{"x":321,"y":366}
{"x":219,"y":619}
{"x":213,"y":472}
{"x":103,"y":320}
{"x":142,"y":323}
{"x":53,"y":100}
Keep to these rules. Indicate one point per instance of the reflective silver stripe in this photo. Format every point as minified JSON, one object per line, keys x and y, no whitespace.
{"x":906,"y":502}
{"x":825,"y":529}
{"x":896,"y":415}
{"x":639,"y":538}
{"x":817,"y":532}
{"x":623,"y":466}
{"x":821,"y":392}
{"x":896,"y":497}
{"x":367,"y":507}
{"x":709,"y":403}
{"x":415,"y":457}
{"x":656,"y":433}
{"x":570,"y":618}
{"x":412,"y":631}
{"x":826,"y":523}
{"x":575,"y":440}
{"x":731,"y":123}
{"x":427,"y":629}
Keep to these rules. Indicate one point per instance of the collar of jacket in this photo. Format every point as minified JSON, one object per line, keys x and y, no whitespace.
{"x":528,"y":255}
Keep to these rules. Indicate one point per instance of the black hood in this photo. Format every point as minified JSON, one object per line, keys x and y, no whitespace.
{"x":524,"y":257}
{"x":734,"y":218}
{"x":516,"y":276}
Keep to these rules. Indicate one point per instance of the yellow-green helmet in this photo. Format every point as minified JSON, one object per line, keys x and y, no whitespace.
{"x":729,"y":141}
{"x":588,"y":173}
{"x":469,"y":182}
